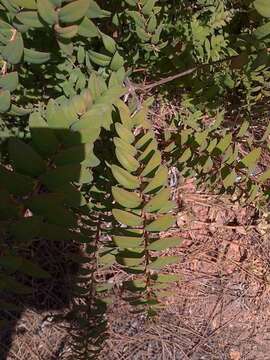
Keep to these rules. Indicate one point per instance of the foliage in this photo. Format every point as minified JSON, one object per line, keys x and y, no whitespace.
{"x":80,"y":161}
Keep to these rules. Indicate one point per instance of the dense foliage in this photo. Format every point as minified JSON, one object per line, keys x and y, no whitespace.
{"x":80,"y":161}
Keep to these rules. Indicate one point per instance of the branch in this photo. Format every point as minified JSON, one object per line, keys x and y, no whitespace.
{"x":168,"y":79}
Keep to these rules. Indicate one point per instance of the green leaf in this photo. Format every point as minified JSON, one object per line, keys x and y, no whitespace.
{"x":135,"y":285}
{"x":152,"y":24}
{"x":262,"y":31}
{"x":160,"y":179}
{"x":16,"y":184}
{"x":9,"y":81}
{"x":124,"y":133}
{"x":147,"y":154}
{"x":73,"y":11}
{"x":144,"y":140}
{"x":17,"y":263}
{"x":152,"y":165}
{"x":47,"y":12}
{"x":82,"y":136}
{"x":55,"y":178}
{"x":4,"y":100}
{"x":263,"y":8}
{"x":30,"y":18}
{"x":112,"y":95}
{"x":109,"y":43}
{"x":13,"y":51}
{"x":229,"y":177}
{"x":224,"y":143}
{"x":43,"y":137}
{"x":27,"y":4}
{"x":253,"y":192}
{"x":61,"y":118}
{"x":27,"y":229}
{"x":265,"y":176}
{"x":126,"y":160}
{"x":124,"y":146}
{"x":163,"y":261}
{"x":157,"y":202}
{"x":164,"y":243}
{"x":66,"y":46}
{"x":126,"y":242}
{"x":93,"y":118}
{"x":137,"y":17}
{"x":129,"y":262}
{"x":148,"y":7}
{"x":185,"y":156}
{"x":126,"y":198}
{"x":95,"y":12}
{"x":99,"y":59}
{"x":87,"y":28}
{"x":127,"y":218}
{"x":125,"y":178}
{"x":24,"y":159}
{"x":36,"y":57}
{"x":74,"y":155}
{"x":51,"y":208}
{"x":8,"y":209}
{"x":71,"y":195}
{"x":67,"y":32}
{"x":117,"y":62}
{"x":243,"y":129}
{"x":107,"y":260}
{"x":251,"y":159}
{"x":97,"y":85}
{"x":162,"y":223}
{"x":167,"y":207}
{"x":132,"y":257}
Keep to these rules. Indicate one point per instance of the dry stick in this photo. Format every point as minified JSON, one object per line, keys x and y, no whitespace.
{"x":177,"y":76}
{"x":210,"y":318}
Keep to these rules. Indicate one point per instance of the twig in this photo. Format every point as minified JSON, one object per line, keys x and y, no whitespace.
{"x":177,"y":76}
{"x":4,"y":68}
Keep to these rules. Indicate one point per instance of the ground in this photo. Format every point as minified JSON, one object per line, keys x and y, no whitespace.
{"x":219,"y":309}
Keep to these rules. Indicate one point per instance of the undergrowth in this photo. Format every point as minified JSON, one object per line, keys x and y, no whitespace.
{"x":80,"y":160}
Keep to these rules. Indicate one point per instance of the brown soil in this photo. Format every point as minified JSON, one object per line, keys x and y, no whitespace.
{"x":220,"y":309}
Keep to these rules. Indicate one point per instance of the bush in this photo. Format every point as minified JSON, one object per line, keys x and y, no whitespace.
{"x":79,"y":158}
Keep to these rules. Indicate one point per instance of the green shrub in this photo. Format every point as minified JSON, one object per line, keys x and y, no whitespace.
{"x":79,"y":158}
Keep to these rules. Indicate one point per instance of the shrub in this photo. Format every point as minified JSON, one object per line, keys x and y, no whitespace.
{"x":79,"y":158}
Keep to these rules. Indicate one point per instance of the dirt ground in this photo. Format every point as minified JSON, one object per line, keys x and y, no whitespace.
{"x":220,"y":308}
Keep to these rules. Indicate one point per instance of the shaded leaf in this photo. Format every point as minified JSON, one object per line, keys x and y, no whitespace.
{"x":25,"y":160}
{"x":157,"y":202}
{"x":160,"y":179}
